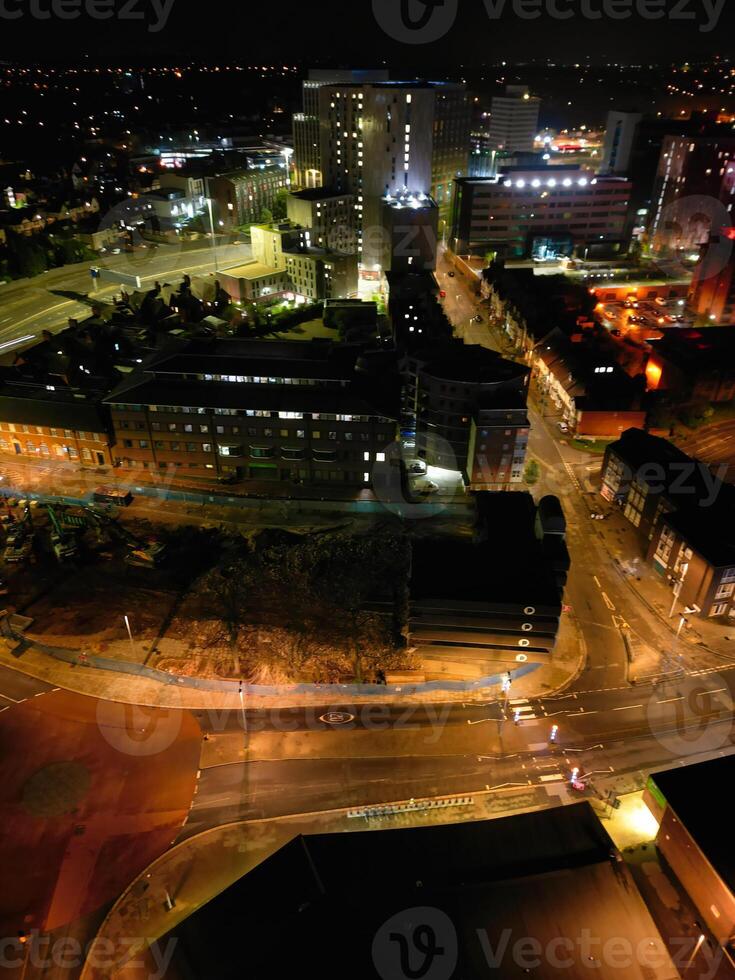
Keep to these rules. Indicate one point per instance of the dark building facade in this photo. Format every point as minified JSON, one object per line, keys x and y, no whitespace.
{"x":254,"y":410}
{"x":469,"y":409}
{"x":683,"y":515}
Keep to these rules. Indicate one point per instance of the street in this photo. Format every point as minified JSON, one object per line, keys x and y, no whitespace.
{"x":614,"y":724}
{"x":30,"y":306}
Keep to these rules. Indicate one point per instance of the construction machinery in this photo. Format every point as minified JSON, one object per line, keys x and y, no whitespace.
{"x":19,"y":542}
{"x":63,"y":541}
{"x":144,"y":554}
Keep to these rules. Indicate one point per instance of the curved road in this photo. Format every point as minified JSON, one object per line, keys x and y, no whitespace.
{"x":30,"y":306}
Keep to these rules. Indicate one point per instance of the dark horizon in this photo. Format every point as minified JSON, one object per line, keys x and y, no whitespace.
{"x":294,"y":33}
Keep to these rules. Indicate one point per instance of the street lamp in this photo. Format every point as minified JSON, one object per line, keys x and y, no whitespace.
{"x":211,"y":229}
{"x":678,"y":586}
{"x":130,"y":635}
{"x":287,"y":154}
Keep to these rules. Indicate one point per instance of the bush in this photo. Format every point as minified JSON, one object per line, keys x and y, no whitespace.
{"x":532,"y":473}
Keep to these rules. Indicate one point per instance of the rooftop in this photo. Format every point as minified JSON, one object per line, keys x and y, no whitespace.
{"x":505,"y":567}
{"x":251,"y":270}
{"x":684,"y":480}
{"x":340,"y":896}
{"x":705,"y":532}
{"x":689,"y":792}
{"x":318,"y":194}
{"x":472,"y":364}
{"x":709,"y":347}
{"x":147,"y":390}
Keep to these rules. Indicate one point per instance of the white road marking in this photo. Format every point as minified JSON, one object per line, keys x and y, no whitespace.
{"x":627,"y":707}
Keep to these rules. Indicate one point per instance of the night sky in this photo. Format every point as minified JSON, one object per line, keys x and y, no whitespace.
{"x":345,"y":32}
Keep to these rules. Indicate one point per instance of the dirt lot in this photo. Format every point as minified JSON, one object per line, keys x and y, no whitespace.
{"x":215,"y":606}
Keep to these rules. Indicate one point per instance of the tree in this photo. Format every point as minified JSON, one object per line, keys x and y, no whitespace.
{"x":532,"y":473}
{"x":26,"y":256}
{"x":280,"y":207}
{"x":266,"y":216}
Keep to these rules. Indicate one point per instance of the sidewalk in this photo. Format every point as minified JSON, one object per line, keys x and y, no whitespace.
{"x":711,"y":644}
{"x":201,"y":867}
{"x":75,"y":671}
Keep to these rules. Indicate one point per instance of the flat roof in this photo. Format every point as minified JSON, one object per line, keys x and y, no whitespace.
{"x":708,"y":531}
{"x":256,"y":397}
{"x":251,"y":270}
{"x":507,"y":566}
{"x":472,"y":364}
{"x":337,"y":898}
{"x":697,"y":794}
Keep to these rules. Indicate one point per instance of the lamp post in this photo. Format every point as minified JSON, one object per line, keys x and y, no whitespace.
{"x":287,"y":154}
{"x":211,"y":229}
{"x":678,"y":586}
{"x":130,"y":635}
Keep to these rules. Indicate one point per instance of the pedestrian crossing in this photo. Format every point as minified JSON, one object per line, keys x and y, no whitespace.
{"x":522,"y":709}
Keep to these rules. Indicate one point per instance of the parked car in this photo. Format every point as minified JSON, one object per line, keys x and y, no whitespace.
{"x":563,"y":427}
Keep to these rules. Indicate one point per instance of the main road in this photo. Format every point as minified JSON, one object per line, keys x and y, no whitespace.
{"x":30,"y":306}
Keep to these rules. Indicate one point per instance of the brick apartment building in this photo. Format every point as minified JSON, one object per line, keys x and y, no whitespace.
{"x":241,"y":196}
{"x":468,"y":405}
{"x":40,"y":421}
{"x":255,"y":410}
{"x":683,"y":516}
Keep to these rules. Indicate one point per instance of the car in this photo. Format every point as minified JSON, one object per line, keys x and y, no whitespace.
{"x":660,"y":301}
{"x":477,"y":319}
{"x":417,"y":466}
{"x":615,"y":332}
{"x":563,"y":427}
{"x":115,"y":251}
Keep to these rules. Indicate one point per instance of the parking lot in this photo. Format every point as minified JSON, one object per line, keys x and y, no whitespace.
{"x":644,"y":319}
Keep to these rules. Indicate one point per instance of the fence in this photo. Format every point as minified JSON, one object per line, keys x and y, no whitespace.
{"x":413,"y":806}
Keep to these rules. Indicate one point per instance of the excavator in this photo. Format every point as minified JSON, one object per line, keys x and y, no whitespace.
{"x":143,"y":554}
{"x":62,"y":541}
{"x":19,"y":542}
